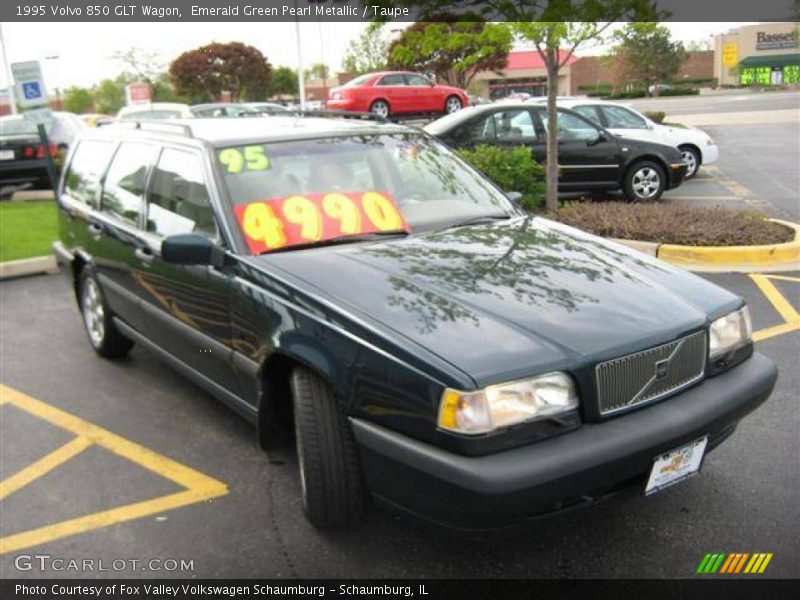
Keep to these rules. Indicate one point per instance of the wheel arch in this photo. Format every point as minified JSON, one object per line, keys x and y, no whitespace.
{"x":644,"y":158}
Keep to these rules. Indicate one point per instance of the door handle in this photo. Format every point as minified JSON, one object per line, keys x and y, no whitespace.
{"x":144,"y":254}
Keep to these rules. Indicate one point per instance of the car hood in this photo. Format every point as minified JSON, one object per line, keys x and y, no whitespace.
{"x":509,"y":299}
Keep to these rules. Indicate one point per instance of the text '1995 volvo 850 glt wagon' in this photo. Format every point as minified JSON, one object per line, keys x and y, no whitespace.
{"x":358,"y":288}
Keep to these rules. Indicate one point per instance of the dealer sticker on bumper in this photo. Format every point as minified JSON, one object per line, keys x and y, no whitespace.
{"x":676,"y":465}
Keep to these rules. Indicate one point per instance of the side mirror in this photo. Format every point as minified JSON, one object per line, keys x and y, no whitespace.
{"x":515,"y":197}
{"x":601,"y":137}
{"x":191,"y":249}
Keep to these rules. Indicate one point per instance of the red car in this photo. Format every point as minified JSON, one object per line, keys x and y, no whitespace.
{"x":394,"y":93}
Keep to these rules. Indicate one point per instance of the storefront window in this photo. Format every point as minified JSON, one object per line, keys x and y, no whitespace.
{"x":791,"y":74}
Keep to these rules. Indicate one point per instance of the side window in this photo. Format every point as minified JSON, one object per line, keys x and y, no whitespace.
{"x":621,"y":118}
{"x":503,"y":126}
{"x":393,"y":80}
{"x":418,"y":80}
{"x":590,"y":112}
{"x":178,"y":200}
{"x":87,"y":166}
{"x":123,"y":189}
{"x":571,"y":127}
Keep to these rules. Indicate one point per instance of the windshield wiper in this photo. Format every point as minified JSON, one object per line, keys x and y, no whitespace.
{"x":343,"y":239}
{"x":482,"y":219}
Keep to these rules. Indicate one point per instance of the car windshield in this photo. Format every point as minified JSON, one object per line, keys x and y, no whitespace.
{"x":347,"y":186}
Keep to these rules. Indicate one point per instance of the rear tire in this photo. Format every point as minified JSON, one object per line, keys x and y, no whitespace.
{"x":332,"y":485}
{"x":380,"y":108}
{"x":644,"y":181}
{"x":103,"y":335}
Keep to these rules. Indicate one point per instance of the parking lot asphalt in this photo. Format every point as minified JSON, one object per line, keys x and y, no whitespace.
{"x":128,"y":460}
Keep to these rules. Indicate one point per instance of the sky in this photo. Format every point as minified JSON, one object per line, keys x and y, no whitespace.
{"x":85,"y":51}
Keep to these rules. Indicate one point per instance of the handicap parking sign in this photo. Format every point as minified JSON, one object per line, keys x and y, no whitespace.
{"x":31,"y":90}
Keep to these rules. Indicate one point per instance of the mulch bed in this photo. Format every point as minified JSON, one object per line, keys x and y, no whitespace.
{"x":673,"y":224}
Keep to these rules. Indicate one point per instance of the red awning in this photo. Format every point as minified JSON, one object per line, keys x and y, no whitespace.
{"x":530,"y":59}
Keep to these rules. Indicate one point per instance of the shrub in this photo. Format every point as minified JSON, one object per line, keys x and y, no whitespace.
{"x":679,"y":91}
{"x":657,"y":116}
{"x":511,"y":169}
{"x":673,"y":223}
{"x":627,"y":94}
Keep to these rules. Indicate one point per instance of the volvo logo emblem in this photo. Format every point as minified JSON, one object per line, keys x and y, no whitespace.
{"x":662,"y":368}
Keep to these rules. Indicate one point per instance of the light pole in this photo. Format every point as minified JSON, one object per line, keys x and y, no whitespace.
{"x":55,"y":57}
{"x":301,"y":84}
{"x":11,"y":96}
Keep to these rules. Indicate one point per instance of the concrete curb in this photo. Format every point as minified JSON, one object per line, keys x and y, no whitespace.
{"x":766,"y":258}
{"x":28,"y":266}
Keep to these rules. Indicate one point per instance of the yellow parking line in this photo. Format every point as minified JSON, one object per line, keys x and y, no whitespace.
{"x":199,"y":487}
{"x":781,"y":304}
{"x":43,"y":465}
{"x":768,"y":332}
{"x":42,"y":535}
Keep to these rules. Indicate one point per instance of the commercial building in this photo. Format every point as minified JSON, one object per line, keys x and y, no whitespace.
{"x":763,"y":54}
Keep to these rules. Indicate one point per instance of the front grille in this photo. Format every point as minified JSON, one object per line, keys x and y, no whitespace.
{"x":650,"y":374}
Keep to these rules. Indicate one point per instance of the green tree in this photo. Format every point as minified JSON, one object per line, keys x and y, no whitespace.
{"x":557,"y":28}
{"x":207,"y":71}
{"x":109,"y":95}
{"x":78,"y":100}
{"x":284,"y":82}
{"x":369,"y":52}
{"x":647,"y":54}
{"x":317,"y":71}
{"x":453,"y":50}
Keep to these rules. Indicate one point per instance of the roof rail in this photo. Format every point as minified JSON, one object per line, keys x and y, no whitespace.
{"x":343,"y":114}
{"x":163,"y":126}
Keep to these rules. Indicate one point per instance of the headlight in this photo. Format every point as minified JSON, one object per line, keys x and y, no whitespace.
{"x":505,"y":404}
{"x":729,"y":333}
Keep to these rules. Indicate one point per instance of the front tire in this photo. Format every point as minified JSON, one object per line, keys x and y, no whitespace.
{"x":330,"y":472}
{"x":645,"y":181}
{"x":380,"y":108}
{"x":691,"y":157}
{"x":453,"y":104}
{"x":104,"y":336}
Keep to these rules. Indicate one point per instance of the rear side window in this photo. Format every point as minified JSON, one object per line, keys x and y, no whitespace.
{"x":621,"y":118}
{"x":178,"y":201}
{"x":590,"y":112}
{"x":393,"y":80}
{"x":87,"y":166}
{"x":123,"y":189}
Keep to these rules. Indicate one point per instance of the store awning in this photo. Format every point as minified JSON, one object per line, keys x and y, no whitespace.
{"x":775,"y":60}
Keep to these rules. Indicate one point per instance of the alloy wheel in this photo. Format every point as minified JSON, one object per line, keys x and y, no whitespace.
{"x":93,"y":312}
{"x":646,"y":183}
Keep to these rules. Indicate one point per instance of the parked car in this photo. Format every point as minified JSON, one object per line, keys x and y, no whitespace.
{"x":389,"y":93}
{"x":696,"y":146}
{"x":224,"y":109}
{"x":429,"y":343}
{"x":589,"y":158}
{"x":22,"y":155}
{"x":95,"y":119}
{"x":267,"y":108}
{"x":155,"y":111}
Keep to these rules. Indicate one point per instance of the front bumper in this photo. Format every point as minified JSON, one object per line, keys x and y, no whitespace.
{"x":576,"y":468}
{"x":710,"y":154}
{"x":676,"y":175}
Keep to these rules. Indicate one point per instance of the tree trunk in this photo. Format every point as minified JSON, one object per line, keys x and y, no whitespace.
{"x":551,"y":189}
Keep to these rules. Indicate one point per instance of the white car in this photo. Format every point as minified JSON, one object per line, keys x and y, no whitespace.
{"x":696,"y":146}
{"x":157,"y":111}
